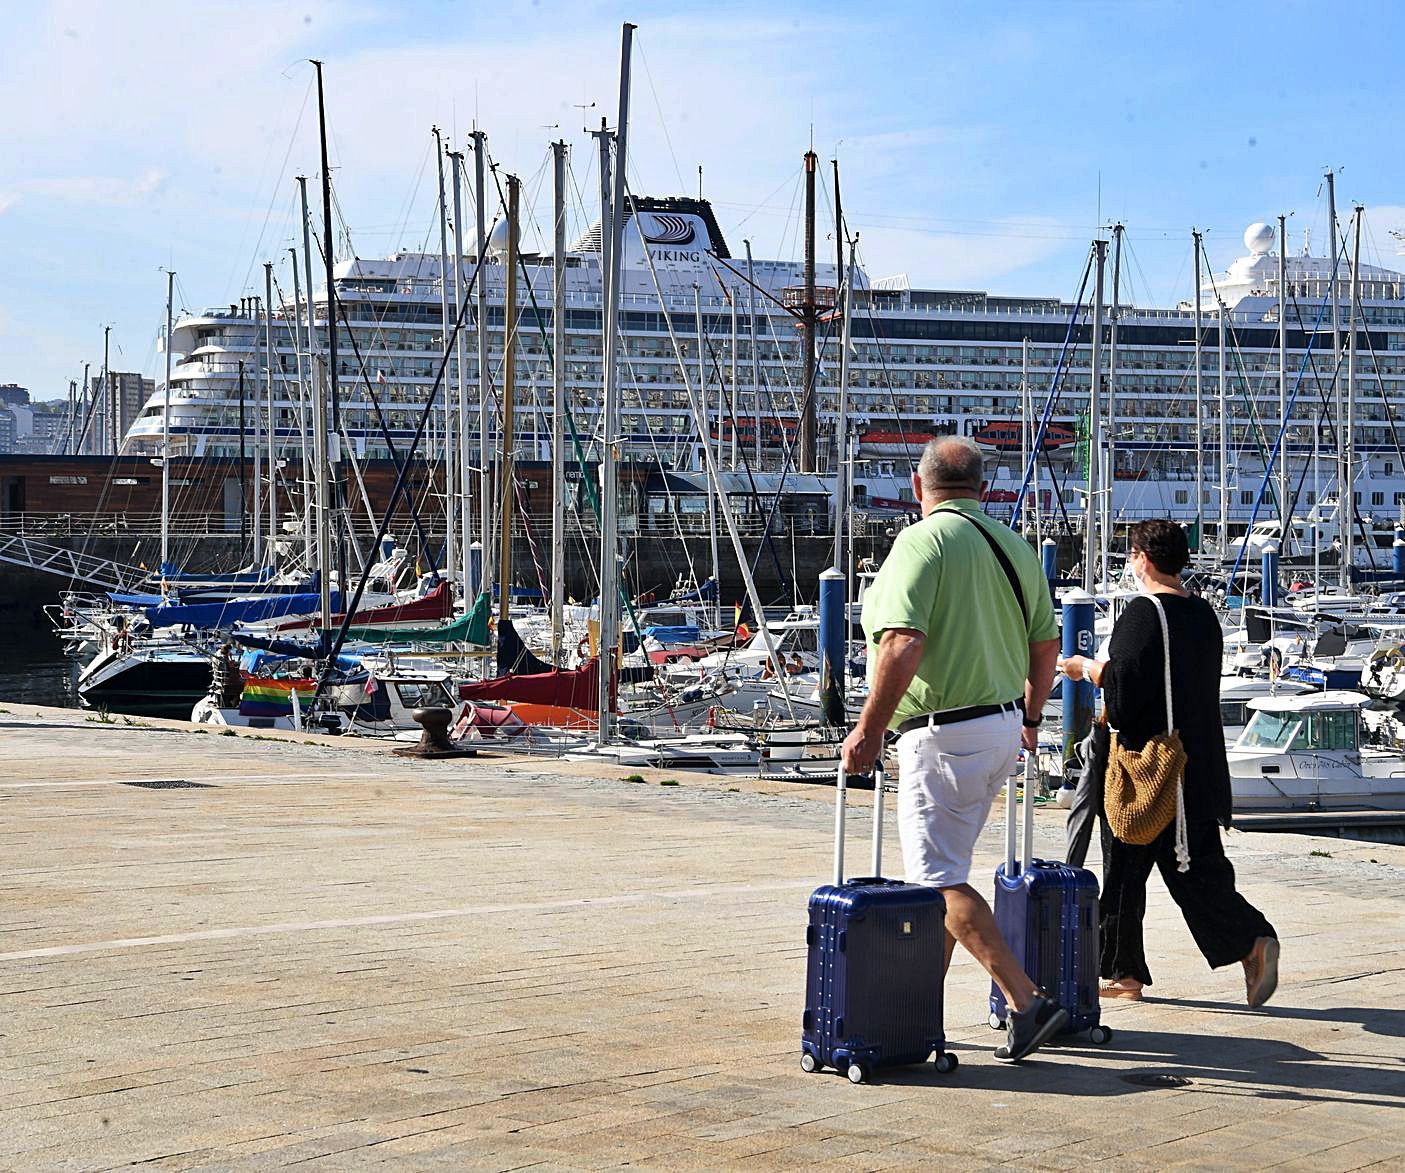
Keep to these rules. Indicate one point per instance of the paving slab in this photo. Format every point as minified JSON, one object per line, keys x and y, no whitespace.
{"x":330,"y":956}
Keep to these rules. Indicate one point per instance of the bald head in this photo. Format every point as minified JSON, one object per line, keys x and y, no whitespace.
{"x":951,"y":466}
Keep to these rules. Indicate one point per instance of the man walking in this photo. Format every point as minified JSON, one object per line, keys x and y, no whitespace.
{"x":962,"y":645}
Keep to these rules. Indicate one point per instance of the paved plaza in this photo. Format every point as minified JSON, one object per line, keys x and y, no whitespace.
{"x":326,"y":955}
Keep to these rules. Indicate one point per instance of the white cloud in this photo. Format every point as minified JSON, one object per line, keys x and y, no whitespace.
{"x":103,"y":190}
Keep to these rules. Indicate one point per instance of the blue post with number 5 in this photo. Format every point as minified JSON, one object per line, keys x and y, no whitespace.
{"x":1078,"y":614}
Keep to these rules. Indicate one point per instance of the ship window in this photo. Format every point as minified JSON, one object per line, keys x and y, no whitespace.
{"x":417,"y":694}
{"x":1269,"y":730}
{"x":1233,"y":713}
{"x":1332,"y":730}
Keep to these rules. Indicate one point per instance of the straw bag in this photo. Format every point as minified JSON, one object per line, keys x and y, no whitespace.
{"x":1145,"y":789}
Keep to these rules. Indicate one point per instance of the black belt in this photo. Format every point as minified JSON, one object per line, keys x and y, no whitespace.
{"x":956,"y":716}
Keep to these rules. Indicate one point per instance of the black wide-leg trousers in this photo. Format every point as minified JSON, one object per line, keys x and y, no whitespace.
{"x":1224,"y":924}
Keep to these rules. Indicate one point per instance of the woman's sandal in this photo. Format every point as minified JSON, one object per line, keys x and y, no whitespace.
{"x":1115,"y":989}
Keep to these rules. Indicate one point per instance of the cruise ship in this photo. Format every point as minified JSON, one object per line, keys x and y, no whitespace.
{"x":922,"y":362}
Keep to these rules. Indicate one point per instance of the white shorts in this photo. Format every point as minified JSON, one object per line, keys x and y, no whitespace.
{"x":948,"y":778}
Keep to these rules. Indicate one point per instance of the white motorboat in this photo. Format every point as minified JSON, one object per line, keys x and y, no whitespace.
{"x":1311,"y":752}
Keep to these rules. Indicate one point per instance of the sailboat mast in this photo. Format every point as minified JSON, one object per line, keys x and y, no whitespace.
{"x":609,"y":488}
{"x":732,"y":405}
{"x":558,"y":399}
{"x":243,"y":468}
{"x":809,"y":392}
{"x":1090,"y":534}
{"x":1223,"y":387}
{"x":272,"y":419}
{"x":316,"y":479}
{"x":714,"y":488}
{"x":106,"y":444}
{"x":451,"y":501}
{"x":509,"y":395}
{"x":109,"y":425}
{"x":1334,"y":297}
{"x":1348,"y":443}
{"x":1199,"y":489}
{"x":302,"y":412}
{"x":755,"y":354}
{"x":1028,"y":457}
{"x":844,"y":295}
{"x":456,"y":452}
{"x":485,"y":491}
{"x":841,"y":427}
{"x":1110,"y":433}
{"x":86,"y":410}
{"x":166,"y":434}
{"x":1285,"y":512}
{"x":329,"y":263}
{"x":257,"y":521}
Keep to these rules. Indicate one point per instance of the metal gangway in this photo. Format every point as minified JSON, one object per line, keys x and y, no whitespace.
{"x":70,"y":564}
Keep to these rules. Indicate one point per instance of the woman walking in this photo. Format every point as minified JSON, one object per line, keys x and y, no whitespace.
{"x":1226,"y":927}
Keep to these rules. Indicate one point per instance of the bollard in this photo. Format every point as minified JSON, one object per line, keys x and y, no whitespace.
{"x":834,"y":642}
{"x":1049,"y":557}
{"x":1268,"y":588}
{"x":1078,"y":614}
{"x":434,"y":739}
{"x":1397,"y":557}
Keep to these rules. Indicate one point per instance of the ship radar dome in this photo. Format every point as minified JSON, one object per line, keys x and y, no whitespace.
{"x":497,"y":239}
{"x":1258,"y":238}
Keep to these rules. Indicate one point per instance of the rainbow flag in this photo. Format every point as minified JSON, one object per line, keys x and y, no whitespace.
{"x":272,"y":698}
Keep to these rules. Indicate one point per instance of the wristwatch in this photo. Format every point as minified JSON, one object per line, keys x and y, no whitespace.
{"x":1031,"y":722}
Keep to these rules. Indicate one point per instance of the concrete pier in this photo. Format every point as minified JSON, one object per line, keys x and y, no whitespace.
{"x":323,"y":954}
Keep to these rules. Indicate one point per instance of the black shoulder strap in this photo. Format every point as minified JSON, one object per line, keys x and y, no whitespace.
{"x":1001,"y":557}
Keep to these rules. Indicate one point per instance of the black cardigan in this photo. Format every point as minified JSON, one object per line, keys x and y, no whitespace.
{"x":1136,"y":697}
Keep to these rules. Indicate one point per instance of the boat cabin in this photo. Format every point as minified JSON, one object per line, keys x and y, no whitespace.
{"x":1323,"y":722}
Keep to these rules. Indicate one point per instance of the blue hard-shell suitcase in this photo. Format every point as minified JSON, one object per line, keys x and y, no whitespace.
{"x":873,"y":985}
{"x":1048,"y":914}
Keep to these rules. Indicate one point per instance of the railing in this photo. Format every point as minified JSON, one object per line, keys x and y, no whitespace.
{"x":121,"y":524}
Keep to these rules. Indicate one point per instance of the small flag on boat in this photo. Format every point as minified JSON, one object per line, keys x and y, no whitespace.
{"x":380,"y":377}
{"x":371,"y":686}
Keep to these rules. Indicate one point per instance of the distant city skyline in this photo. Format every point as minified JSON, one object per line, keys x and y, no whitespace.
{"x":979,"y":147}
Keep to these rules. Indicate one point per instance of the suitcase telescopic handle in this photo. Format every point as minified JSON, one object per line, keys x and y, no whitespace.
{"x":1026,"y":850}
{"x":840,"y":803}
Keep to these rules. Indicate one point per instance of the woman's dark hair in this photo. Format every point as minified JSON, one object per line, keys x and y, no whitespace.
{"x":1163,"y":541}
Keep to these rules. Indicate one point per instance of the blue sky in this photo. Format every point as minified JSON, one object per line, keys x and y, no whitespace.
{"x":980,"y":144}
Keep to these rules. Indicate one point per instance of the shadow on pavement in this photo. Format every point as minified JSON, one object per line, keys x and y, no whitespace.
{"x":1378,"y":1020}
{"x":1267,"y":1068}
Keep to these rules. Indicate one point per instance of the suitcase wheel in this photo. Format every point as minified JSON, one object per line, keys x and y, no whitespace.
{"x":946,"y":1063}
{"x":857,"y":1073}
{"x":807,"y":1063}
{"x":1100,"y":1034}
{"x":996,"y":1022}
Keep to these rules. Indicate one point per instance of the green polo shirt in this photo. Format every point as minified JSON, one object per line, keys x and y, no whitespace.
{"x":942,"y":579}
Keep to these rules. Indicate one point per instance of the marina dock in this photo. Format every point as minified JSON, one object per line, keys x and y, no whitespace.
{"x":310,"y":951}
